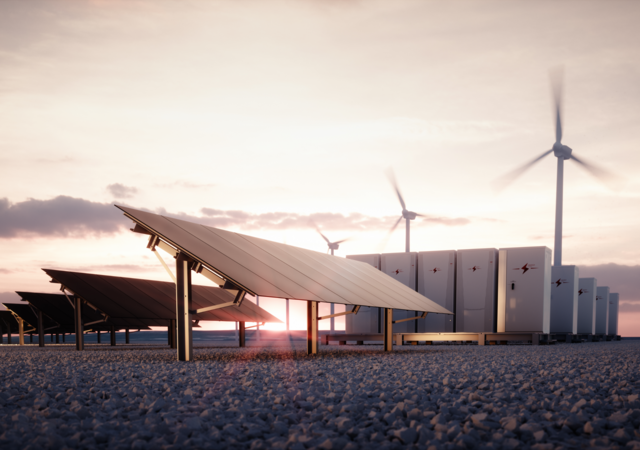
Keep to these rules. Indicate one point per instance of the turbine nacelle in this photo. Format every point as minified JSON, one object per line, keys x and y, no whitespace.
{"x":409,"y":214}
{"x":561,"y":151}
{"x":333,"y":245}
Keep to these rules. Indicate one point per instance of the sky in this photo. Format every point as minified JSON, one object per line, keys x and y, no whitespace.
{"x":257,"y":116}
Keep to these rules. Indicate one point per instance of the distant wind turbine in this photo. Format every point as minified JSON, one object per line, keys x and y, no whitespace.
{"x":407,"y":215}
{"x":561,"y":152}
{"x":331,"y":245}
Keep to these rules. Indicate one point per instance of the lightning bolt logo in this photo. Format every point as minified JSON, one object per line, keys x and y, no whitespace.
{"x":474,"y":268}
{"x":526,"y":268}
{"x":582,"y":291}
{"x":434,"y":270}
{"x":397,"y":271}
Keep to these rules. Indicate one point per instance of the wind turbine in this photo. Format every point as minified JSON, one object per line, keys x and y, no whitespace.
{"x":562,"y":152}
{"x":407,"y":215}
{"x":331,"y":245}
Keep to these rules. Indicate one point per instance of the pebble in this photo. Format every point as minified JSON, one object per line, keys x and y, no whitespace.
{"x":347,"y":397}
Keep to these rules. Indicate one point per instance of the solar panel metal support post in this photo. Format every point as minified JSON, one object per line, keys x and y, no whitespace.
{"x":57,"y":338}
{"x":333,"y":319}
{"x":312,"y":327}
{"x":63,"y":337}
{"x":241,"y":335}
{"x":1,"y":335}
{"x":99,"y":340}
{"x":40,"y":330}
{"x":79,"y":325}
{"x":20,"y":331}
{"x":126,"y":336}
{"x":172,"y":334}
{"x":287,"y":306}
{"x":388,"y":330}
{"x":8,"y":333}
{"x":184,"y":307}
{"x":113,"y":335}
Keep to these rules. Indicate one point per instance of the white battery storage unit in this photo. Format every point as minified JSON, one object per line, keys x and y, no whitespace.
{"x":614,"y":304}
{"x":368,"y":320}
{"x":524,"y":289}
{"x":602,"y":309}
{"x":402,"y":267}
{"x":564,"y":299}
{"x":476,"y":281}
{"x":437,"y":282}
{"x":587,"y":305}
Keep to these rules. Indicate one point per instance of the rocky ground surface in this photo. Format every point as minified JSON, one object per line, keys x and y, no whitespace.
{"x":562,"y":396}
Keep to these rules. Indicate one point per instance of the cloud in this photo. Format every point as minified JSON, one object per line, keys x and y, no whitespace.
{"x":64,"y":216}
{"x":61,"y":216}
{"x":629,"y":307}
{"x":622,"y":279}
{"x":121,"y":191}
{"x":328,"y":221}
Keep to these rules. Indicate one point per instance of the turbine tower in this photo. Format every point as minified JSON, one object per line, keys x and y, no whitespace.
{"x":407,"y":215}
{"x":562,"y":152}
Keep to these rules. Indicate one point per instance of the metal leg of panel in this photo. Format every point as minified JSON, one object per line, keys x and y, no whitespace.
{"x":40,"y":330}
{"x":126,"y":336}
{"x":79,"y":324}
{"x":113,"y":335}
{"x":312,"y":327}
{"x":20,"y":331}
{"x":99,"y":340}
{"x":30,"y":338}
{"x":63,"y":337}
{"x":172,"y":334}
{"x":241,"y":335}
{"x":184,"y":306}
{"x":51,"y":338}
{"x":57,"y":338}
{"x":333,"y":323}
{"x":1,"y":335}
{"x":9,"y":340}
{"x":388,"y":330}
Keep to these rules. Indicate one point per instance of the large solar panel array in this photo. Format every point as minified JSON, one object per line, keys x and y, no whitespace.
{"x":57,"y":308}
{"x":136,"y":303}
{"x":271,"y":269}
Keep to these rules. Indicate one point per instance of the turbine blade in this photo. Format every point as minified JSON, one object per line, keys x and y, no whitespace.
{"x":392,"y":179}
{"x":508,"y":178}
{"x":556,"y":76}
{"x":612,"y":181}
{"x":386,"y":239}
{"x":320,"y":232}
{"x":340,"y":242}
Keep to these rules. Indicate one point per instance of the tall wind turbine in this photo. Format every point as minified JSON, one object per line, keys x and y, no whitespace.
{"x":562,"y":152}
{"x":407,"y":215}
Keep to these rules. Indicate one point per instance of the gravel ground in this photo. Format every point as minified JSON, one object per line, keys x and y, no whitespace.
{"x":347,"y":397}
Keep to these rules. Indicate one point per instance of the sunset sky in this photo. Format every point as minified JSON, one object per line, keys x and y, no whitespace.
{"x":255,"y":116}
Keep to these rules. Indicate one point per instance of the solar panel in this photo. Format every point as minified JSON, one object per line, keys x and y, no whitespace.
{"x":270,"y":269}
{"x":7,"y":319}
{"x":150,"y":302}
{"x":26,"y":314}
{"x":58,"y":309}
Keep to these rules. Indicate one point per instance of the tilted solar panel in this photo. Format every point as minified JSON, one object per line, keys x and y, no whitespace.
{"x":150,"y":302}
{"x":271,"y":269}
